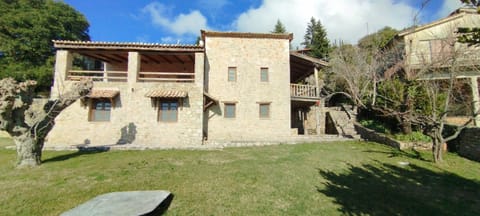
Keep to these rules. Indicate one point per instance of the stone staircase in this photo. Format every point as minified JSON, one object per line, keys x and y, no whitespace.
{"x":343,"y":119}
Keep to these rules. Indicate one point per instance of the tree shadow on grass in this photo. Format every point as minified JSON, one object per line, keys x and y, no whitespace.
{"x":412,"y":153}
{"x":80,"y":152}
{"x":385,"y":189}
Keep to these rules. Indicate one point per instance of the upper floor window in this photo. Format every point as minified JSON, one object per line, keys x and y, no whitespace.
{"x":168,"y":111}
{"x":264,"y":74}
{"x":100,"y":110}
{"x":229,"y":111}
{"x":232,"y":74}
{"x":441,"y":49}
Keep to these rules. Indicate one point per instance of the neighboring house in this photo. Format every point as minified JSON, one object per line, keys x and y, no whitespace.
{"x":233,"y":87}
{"x":432,"y":50}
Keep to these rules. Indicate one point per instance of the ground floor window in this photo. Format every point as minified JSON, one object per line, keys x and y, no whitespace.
{"x":100,"y":110}
{"x":168,"y":111}
{"x":229,"y":110}
{"x":264,"y":110}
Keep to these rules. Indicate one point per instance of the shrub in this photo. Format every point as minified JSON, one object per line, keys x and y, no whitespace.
{"x":415,"y":136}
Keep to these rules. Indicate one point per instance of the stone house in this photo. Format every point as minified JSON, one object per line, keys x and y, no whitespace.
{"x":233,"y":87}
{"x":432,"y":51}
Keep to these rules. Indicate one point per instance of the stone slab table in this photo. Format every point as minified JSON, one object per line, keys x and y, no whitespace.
{"x":124,"y":203}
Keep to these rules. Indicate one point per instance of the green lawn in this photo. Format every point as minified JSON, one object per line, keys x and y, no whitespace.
{"x":353,"y":178}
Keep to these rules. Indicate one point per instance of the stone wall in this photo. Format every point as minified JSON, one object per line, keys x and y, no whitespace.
{"x":371,"y":135}
{"x":467,"y":143}
{"x":133,"y":117}
{"x":248,"y":55}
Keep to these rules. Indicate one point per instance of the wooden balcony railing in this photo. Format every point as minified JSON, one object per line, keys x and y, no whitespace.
{"x":118,"y":76}
{"x":166,"y":76}
{"x":445,"y":59}
{"x":303,"y":91}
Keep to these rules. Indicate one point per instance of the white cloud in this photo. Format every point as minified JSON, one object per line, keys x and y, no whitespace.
{"x":448,"y":7}
{"x":343,"y":19}
{"x":181,"y":24}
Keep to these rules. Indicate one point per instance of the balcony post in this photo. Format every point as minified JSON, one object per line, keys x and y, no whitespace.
{"x":317,"y":92}
{"x":63,"y":64}
{"x":475,"y":99}
{"x":133,"y":67}
{"x":317,"y":89}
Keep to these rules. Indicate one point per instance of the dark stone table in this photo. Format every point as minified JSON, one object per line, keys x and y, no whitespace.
{"x":124,"y":203}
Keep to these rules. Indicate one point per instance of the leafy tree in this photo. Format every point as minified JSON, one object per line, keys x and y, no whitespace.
{"x":27,"y":28}
{"x":473,"y":2}
{"x":316,"y":40}
{"x":279,"y":28}
{"x":377,"y":40}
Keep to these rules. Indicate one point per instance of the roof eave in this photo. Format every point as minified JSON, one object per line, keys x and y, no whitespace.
{"x":315,"y":61}
{"x":126,"y":46}
{"x":429,"y":25}
{"x":206,"y":33}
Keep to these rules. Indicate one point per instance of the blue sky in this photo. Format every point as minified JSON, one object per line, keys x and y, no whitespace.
{"x":180,"y":21}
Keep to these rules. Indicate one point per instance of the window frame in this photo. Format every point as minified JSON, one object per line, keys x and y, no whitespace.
{"x":268,"y":104}
{"x":440,"y":48}
{"x":93,"y":109}
{"x":169,"y":106}
{"x":234,"y":74}
{"x":234,"y":105}
{"x":267,"y":71}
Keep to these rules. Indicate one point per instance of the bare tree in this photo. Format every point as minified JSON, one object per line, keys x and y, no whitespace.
{"x":353,"y":75}
{"x":436,"y":72}
{"x":415,"y":85}
{"x":27,"y":124}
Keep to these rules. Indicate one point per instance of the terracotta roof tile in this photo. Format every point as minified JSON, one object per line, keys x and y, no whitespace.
{"x":246,"y":35}
{"x":160,"y":93}
{"x":64,"y":44}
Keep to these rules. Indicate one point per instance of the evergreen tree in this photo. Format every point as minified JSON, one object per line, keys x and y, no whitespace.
{"x":279,"y":28}
{"x":316,"y":40}
{"x":470,"y":36}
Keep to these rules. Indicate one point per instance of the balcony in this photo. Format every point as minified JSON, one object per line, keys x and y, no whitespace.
{"x":102,"y":76}
{"x":304,"y":92}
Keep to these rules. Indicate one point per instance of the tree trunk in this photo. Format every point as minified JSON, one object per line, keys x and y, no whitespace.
{"x":406,"y":125}
{"x":437,"y":147}
{"x":29,"y":150}
{"x":27,"y":124}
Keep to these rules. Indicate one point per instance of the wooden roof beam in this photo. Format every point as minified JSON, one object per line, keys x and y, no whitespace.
{"x":109,"y":57}
{"x":165,"y":59}
{"x":178,"y":59}
{"x":151,"y":58}
{"x":95,"y":57}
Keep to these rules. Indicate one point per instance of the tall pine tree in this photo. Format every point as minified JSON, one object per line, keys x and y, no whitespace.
{"x":316,"y":40}
{"x":470,"y":36}
{"x":279,"y":28}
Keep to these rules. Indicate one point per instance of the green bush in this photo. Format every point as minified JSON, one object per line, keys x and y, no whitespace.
{"x":379,"y":127}
{"x":415,"y":136}
{"x":375,"y":125}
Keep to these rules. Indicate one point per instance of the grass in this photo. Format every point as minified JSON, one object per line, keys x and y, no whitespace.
{"x":353,"y":178}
